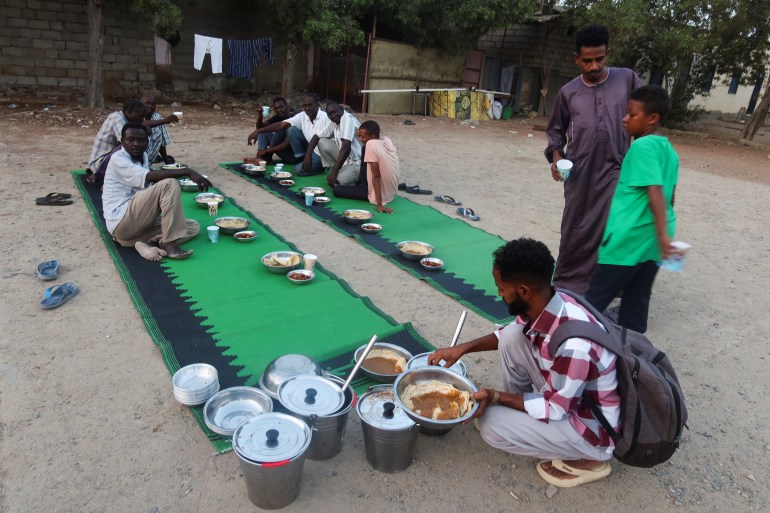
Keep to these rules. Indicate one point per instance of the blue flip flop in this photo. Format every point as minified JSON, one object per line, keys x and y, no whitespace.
{"x":48,"y":270}
{"x":468,"y":213}
{"x":58,"y":295}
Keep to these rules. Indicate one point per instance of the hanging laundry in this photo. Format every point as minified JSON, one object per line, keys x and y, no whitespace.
{"x":208,"y":45}
{"x":240,"y":58}
{"x":263,"y":45}
{"x":162,"y":52}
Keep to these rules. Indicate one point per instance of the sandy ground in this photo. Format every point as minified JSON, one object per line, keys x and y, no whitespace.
{"x":88,"y":422}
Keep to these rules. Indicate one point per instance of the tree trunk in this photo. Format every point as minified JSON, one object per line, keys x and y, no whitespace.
{"x":287,"y":84}
{"x":758,"y":117}
{"x":95,"y":76}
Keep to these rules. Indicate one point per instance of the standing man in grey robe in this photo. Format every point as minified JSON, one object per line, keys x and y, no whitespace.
{"x":586,"y":127}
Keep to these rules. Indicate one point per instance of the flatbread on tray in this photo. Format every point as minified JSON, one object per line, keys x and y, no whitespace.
{"x":437,"y":400}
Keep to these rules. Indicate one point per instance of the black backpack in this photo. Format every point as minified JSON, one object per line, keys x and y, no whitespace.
{"x":652,"y":410}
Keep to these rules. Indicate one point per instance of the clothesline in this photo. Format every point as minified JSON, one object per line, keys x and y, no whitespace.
{"x":244,"y":54}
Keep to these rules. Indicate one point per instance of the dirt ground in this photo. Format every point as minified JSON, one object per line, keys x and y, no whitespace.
{"x":88,"y":422}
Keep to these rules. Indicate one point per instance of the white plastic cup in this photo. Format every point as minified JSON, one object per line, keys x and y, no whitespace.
{"x":265,"y":111}
{"x":309,"y":196}
{"x":310,"y":260}
{"x":213,"y":207}
{"x":179,"y":116}
{"x":279,"y":166}
{"x":262,"y":163}
{"x":565,"y":168}
{"x":675,"y":262}
{"x":213,"y":232}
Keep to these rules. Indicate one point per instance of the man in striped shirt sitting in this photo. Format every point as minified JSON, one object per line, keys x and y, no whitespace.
{"x":541,"y":411}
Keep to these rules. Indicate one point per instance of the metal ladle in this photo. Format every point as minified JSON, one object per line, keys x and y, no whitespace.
{"x":459,"y":328}
{"x":361,"y":359}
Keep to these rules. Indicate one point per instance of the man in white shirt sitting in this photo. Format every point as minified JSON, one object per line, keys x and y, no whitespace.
{"x":300,"y":129}
{"x":143,"y":208}
{"x":339,"y":146}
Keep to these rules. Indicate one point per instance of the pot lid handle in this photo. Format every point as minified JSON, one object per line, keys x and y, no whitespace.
{"x":388,"y":408}
{"x":272,"y":438}
{"x":310,"y":394}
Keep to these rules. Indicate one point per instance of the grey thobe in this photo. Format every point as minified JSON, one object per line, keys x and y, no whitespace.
{"x":586,"y":125}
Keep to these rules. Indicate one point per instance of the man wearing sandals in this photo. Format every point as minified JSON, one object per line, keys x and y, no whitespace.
{"x":541,"y":411}
{"x":143,"y":208}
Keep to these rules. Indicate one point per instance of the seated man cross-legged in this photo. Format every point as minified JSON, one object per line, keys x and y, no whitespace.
{"x":275,"y":143}
{"x":541,"y":410}
{"x":143,"y":208}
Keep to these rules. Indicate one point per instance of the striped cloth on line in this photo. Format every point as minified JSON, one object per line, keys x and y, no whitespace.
{"x":245,"y":54}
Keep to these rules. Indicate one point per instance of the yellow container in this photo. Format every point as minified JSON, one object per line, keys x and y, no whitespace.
{"x":459,"y":104}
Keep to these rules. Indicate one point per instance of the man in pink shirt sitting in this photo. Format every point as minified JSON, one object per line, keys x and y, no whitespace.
{"x":380,"y":182}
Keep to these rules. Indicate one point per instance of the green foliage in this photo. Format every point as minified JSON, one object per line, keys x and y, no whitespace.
{"x":453,"y":25}
{"x":164,"y":15}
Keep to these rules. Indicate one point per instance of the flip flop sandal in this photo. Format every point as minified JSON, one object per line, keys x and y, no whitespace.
{"x":449,"y":200}
{"x":468,"y":213}
{"x":581,"y":476}
{"x":416,"y":190}
{"x":180,"y":256}
{"x":58,"y":295}
{"x":55,"y":199}
{"x":49,"y":270}
{"x":402,"y":187}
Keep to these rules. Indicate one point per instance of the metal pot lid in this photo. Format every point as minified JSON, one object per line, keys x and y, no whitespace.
{"x":311,"y":395}
{"x":271,"y":438}
{"x":421,"y":360}
{"x":379,"y":409}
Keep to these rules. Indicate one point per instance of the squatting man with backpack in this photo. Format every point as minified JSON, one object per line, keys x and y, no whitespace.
{"x":542,"y":410}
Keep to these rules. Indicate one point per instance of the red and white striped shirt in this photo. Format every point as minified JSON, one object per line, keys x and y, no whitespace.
{"x":578,"y":366}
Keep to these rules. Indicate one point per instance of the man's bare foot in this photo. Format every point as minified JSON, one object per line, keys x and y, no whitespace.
{"x":151,"y":253}
{"x":172,"y":250}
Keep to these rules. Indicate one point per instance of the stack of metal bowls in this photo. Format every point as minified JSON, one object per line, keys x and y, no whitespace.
{"x":195,"y":384}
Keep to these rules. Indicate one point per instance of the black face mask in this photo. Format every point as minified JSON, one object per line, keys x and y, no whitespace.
{"x":518,"y":306}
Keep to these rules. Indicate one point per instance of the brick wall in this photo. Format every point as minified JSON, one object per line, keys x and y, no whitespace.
{"x":44,"y":46}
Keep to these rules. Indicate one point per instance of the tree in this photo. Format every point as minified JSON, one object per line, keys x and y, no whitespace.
{"x":453,"y":25}
{"x":165,"y":16}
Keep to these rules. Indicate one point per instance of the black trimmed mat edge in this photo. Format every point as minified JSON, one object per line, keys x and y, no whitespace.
{"x":150,"y":286}
{"x":447,"y":283}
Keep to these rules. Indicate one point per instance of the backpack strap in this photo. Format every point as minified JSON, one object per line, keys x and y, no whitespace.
{"x":585,"y":330}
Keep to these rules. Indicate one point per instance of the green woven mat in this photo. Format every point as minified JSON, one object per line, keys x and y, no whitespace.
{"x":251,"y":315}
{"x":465,"y":249}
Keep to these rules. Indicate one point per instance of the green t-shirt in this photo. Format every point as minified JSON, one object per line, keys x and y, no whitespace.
{"x":630,"y":238}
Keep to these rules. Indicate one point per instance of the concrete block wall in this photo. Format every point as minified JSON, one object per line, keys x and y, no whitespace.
{"x":44,"y":47}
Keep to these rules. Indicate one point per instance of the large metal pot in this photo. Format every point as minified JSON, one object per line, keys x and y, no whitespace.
{"x":271,"y":449}
{"x":390,"y":436}
{"x":314,"y":399}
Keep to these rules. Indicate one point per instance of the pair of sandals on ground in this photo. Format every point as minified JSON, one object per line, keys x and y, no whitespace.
{"x":58,"y":294}
{"x":467,"y":213}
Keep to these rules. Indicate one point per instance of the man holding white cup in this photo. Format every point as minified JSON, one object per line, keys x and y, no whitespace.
{"x":274,"y":143}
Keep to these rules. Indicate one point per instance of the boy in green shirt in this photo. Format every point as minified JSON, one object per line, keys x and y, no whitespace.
{"x":641,"y":220}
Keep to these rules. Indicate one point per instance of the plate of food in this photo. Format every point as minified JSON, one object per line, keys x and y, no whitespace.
{"x":281,"y":262}
{"x":415,"y":250}
{"x":321,"y":200}
{"x":315,"y":191}
{"x":188,"y":185}
{"x":384,"y":362}
{"x":231,"y":225}
{"x":285,"y":183}
{"x":245,"y":236}
{"x":432,"y":264}
{"x":300,"y":276}
{"x":371,"y":227}
{"x":357,"y":216}
{"x":173,"y":167}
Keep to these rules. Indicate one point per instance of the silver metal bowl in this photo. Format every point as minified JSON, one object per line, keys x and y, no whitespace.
{"x":202,"y":199}
{"x":365,"y":216}
{"x":371,"y":227}
{"x":321,"y":200}
{"x":432,"y":264}
{"x":242,"y":223}
{"x":188,"y":185}
{"x":229,"y":408}
{"x":413,"y":256}
{"x":315,"y":191}
{"x":281,"y":269}
{"x":279,"y":175}
{"x":285,"y":183}
{"x":421,"y":360}
{"x":284,"y":367}
{"x":173,"y":167}
{"x":253,"y":170}
{"x":381,"y":378}
{"x":245,"y":236}
{"x":300,"y":276}
{"x":425,"y":375}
